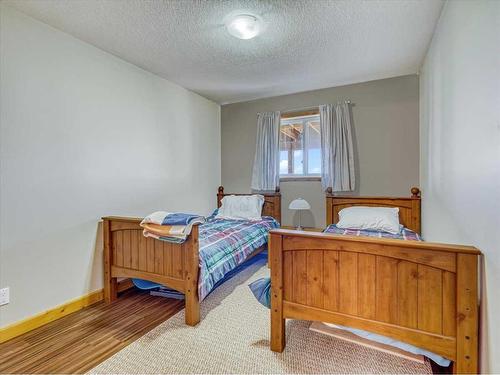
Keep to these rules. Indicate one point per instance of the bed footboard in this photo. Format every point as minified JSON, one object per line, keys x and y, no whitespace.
{"x":421,"y":293}
{"x":127,"y":253}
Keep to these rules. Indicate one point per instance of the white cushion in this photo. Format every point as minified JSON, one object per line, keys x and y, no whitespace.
{"x":384,"y":219}
{"x":241,"y":207}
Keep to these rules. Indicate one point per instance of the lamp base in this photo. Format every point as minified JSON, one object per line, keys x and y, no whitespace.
{"x":299,"y":228}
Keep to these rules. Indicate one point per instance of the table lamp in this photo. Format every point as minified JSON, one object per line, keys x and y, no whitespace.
{"x":300,"y":205}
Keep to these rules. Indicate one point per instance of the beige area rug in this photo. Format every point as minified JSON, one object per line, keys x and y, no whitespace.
{"x":233,"y":337}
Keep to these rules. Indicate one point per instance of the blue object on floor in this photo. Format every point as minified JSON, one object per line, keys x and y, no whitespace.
{"x":261,"y":289}
{"x":145,"y":284}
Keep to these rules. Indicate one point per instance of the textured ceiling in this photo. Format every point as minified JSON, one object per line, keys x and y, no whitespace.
{"x":306,"y":44}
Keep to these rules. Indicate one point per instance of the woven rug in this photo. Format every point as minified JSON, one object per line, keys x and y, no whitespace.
{"x":233,"y":337}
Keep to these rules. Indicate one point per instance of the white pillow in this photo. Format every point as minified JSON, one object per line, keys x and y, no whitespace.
{"x":384,"y":219}
{"x":241,"y":207}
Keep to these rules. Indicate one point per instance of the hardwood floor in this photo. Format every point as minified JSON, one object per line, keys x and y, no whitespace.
{"x":80,"y":341}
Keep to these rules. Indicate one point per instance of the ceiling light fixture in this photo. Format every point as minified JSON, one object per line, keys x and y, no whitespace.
{"x":243,"y":26}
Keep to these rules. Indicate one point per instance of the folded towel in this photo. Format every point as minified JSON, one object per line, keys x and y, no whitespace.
{"x":168,"y":226}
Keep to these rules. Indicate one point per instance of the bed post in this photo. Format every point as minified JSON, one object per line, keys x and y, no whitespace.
{"x":110,"y":283}
{"x":220,"y":195}
{"x":467,"y":315}
{"x":415,"y":209}
{"x":277,"y":321}
{"x":277,"y":204}
{"x":191,"y":282}
{"x":329,"y":204}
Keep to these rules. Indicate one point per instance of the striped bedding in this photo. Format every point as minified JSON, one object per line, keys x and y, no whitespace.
{"x":225,"y":244}
{"x":405,"y":234}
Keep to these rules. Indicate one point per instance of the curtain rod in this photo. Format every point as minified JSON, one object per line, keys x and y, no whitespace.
{"x":311,"y":107}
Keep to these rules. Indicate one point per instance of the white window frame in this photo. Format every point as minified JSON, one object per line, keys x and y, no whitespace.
{"x":305,"y":147}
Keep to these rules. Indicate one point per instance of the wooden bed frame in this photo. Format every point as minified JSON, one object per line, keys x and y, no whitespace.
{"x":128,"y":254}
{"x":422,"y":293}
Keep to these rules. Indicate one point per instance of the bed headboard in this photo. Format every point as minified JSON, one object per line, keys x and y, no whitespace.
{"x":409,"y":208}
{"x":272,"y":202}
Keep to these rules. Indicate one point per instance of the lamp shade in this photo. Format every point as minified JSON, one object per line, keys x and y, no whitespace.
{"x":299,"y":204}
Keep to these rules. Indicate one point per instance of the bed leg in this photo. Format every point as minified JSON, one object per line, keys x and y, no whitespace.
{"x":192,"y":308}
{"x":277,"y":332}
{"x":110,"y":283}
{"x":111,"y":290}
{"x":277,"y":321}
{"x":192,"y":315}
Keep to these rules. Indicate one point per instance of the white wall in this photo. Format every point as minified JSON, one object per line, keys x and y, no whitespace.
{"x":83,"y":135}
{"x":460,"y":146}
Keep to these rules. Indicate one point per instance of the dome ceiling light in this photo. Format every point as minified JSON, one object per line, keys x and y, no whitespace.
{"x":243,"y":26}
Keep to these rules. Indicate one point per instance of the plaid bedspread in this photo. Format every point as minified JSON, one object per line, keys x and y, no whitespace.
{"x":406,"y":234}
{"x":225,"y":244}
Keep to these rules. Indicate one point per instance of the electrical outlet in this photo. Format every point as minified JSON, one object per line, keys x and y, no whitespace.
{"x":4,"y":296}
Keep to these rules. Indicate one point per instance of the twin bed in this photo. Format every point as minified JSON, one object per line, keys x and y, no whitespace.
{"x":422,"y":293}
{"x":193,"y":267}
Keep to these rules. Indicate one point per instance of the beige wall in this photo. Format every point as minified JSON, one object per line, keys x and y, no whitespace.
{"x":84,"y":134}
{"x":385,"y":118}
{"x":460,"y":147}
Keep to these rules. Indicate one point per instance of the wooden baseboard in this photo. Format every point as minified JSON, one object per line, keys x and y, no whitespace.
{"x":18,"y":328}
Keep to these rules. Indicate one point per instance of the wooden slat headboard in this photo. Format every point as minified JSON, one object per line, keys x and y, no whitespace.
{"x":409,"y":208}
{"x":272,"y":202}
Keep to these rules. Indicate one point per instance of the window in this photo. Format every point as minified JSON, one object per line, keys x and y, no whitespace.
{"x":300,"y":146}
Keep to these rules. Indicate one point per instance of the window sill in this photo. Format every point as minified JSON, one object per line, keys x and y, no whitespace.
{"x":300,"y":178}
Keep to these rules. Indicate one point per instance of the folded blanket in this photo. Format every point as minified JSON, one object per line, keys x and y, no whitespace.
{"x":172,"y":239}
{"x":171,"y":227}
{"x":164,"y":230}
